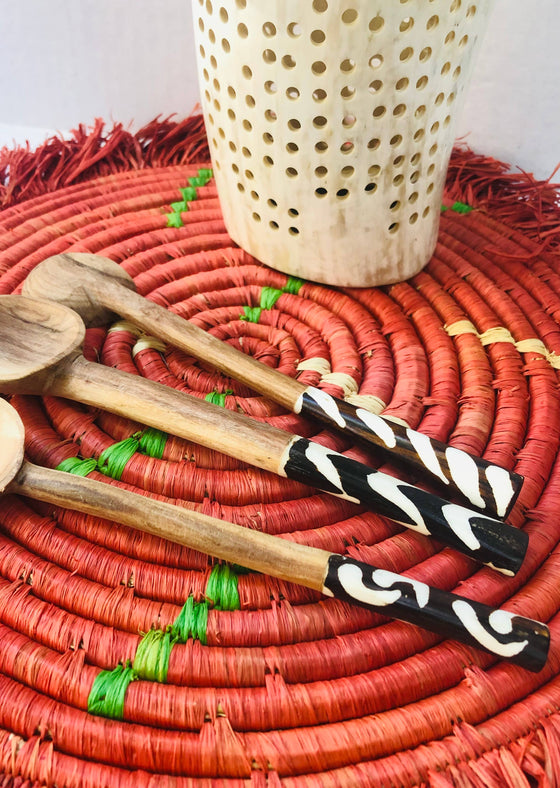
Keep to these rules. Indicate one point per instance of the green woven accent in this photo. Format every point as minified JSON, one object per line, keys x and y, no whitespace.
{"x":107,"y":694}
{"x":293,"y":285}
{"x":179,"y":207}
{"x":152,"y":442}
{"x":461,"y":207}
{"x":218,"y":397}
{"x":269,"y":297}
{"x":174,"y":220}
{"x":458,"y":207}
{"x":189,"y":194}
{"x":152,"y":656}
{"x":113,"y":459}
{"x":252,"y":314}
{"x":191,"y":622}
{"x":77,"y":466}
{"x":221,"y":588}
{"x":198,"y":180}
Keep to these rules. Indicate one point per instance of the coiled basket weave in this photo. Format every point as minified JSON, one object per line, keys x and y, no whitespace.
{"x":126,"y":661}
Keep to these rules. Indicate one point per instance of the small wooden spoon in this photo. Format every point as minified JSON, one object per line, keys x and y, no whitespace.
{"x":511,"y":637}
{"x":95,"y":286}
{"x":39,"y":354}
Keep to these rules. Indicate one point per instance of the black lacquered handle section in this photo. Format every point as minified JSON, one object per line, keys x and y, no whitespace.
{"x":489,"y":541}
{"x":513,"y":638}
{"x":485,"y":486}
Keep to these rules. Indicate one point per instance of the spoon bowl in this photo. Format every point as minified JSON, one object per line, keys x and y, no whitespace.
{"x":35,"y":336}
{"x":56,"y":280}
{"x":12,"y":435}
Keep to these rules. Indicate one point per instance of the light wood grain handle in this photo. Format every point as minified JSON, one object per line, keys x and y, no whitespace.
{"x":486,"y":540}
{"x":227,"y":541}
{"x":510,"y":637}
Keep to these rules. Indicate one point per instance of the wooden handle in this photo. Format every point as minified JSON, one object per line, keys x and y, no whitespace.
{"x":510,"y":637}
{"x":484,"y":539}
{"x":172,"y":411}
{"x":251,"y":549}
{"x":95,"y":286}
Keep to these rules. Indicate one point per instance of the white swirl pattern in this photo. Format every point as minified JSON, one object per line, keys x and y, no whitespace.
{"x":459,"y":469}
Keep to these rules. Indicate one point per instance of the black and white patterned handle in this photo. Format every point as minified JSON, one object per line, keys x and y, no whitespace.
{"x":484,"y":485}
{"x":489,"y":541}
{"x":510,"y":637}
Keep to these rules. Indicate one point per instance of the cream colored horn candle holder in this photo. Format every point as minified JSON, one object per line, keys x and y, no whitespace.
{"x":331,"y":123}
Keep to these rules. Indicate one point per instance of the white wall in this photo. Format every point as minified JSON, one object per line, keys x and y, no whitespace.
{"x":65,"y":62}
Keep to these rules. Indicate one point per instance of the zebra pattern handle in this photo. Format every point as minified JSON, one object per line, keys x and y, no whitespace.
{"x":484,"y":485}
{"x":489,"y":541}
{"x":511,"y":637}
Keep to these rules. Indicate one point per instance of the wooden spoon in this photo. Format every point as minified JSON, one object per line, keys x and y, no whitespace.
{"x":511,"y":637}
{"x":95,"y":286}
{"x":39,"y":354}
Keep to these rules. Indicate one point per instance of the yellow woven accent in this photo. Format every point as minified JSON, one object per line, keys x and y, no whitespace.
{"x":396,"y":420}
{"x":148,"y":343}
{"x":367,"y":402}
{"x":346,"y":382}
{"x":502,"y":334}
{"x":538,"y":347}
{"x":497,"y":334}
{"x":461,"y":327}
{"x":126,"y":325}
{"x":320,"y":365}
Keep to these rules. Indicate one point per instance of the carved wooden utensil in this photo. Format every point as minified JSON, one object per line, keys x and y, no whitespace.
{"x":40,"y":354}
{"x":95,"y":287}
{"x":511,"y":637}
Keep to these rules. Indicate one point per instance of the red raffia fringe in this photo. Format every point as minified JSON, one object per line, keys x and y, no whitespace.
{"x":95,"y":152}
{"x":515,"y":197}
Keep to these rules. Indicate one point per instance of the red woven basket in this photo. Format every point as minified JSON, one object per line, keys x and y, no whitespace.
{"x":129,"y":661}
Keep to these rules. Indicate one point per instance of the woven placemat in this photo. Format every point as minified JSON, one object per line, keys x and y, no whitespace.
{"x":129,"y":661}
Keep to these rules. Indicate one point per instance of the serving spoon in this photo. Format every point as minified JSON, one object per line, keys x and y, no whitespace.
{"x":96,"y":287}
{"x":40,"y":353}
{"x":514,"y":638}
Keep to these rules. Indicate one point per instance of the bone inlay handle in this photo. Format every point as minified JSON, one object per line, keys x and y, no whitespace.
{"x":485,"y":486}
{"x":489,"y":541}
{"x":514,"y":638}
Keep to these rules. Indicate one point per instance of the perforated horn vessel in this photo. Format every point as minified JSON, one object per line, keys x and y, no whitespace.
{"x":331,"y":126}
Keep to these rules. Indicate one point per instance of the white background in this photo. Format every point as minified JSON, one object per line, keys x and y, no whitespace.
{"x":66,"y":62}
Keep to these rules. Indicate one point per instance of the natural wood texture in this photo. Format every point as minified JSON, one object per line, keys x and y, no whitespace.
{"x":252,"y":549}
{"x":34,"y":337}
{"x":173,"y":412}
{"x":12,"y":434}
{"x":95,"y":286}
{"x":48,"y":335}
{"x":60,"y":276}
